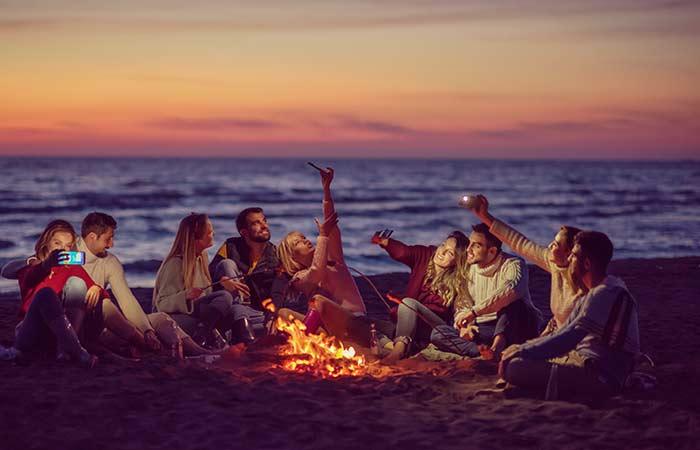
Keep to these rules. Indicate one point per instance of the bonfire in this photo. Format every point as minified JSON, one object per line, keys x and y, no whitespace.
{"x":318,"y":354}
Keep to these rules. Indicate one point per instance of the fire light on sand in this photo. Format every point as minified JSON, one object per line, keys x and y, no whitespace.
{"x":318,"y":354}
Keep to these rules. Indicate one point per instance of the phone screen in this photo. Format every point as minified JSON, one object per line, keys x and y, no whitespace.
{"x":71,"y":258}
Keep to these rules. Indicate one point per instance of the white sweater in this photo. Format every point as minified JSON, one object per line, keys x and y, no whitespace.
{"x":108,"y":270}
{"x":497,"y":286}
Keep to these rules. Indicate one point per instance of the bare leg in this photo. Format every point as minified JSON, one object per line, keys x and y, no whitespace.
{"x":335,"y":318}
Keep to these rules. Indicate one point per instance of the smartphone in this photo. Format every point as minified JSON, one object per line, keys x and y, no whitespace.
{"x":71,"y":258}
{"x":469,"y":201}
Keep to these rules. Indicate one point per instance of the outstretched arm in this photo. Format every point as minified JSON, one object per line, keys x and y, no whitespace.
{"x":511,"y":237}
{"x":335,"y":245}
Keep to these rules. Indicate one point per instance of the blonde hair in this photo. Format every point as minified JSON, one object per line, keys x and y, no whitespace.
{"x":285,"y":253}
{"x":451,"y":284}
{"x":191,"y":228}
{"x":41,"y":248}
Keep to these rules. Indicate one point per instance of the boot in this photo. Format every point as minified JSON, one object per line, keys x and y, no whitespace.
{"x":242,"y":331}
{"x":68,"y":341}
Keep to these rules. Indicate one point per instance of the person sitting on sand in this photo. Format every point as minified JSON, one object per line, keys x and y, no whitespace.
{"x":250,"y":260}
{"x":436,"y":285}
{"x":88,"y":315}
{"x":596,"y":346}
{"x":322,"y":275}
{"x":553,"y":259}
{"x":49,"y":290}
{"x":183,"y":287}
{"x":502,"y":314}
{"x":97,"y":237}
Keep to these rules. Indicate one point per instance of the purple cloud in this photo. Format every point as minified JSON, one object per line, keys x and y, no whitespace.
{"x":212,"y":124}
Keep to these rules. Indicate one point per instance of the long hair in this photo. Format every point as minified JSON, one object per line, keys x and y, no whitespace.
{"x":285,"y":253}
{"x":191,"y":228}
{"x":41,"y":248}
{"x":451,"y":284}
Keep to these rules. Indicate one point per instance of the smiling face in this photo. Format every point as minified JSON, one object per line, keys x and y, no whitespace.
{"x":446,"y":253}
{"x":256,"y":229}
{"x":478,"y":251}
{"x":61,"y":240}
{"x":99,"y":245}
{"x":207,"y":239}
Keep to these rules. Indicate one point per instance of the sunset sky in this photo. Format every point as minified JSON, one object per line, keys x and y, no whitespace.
{"x":515,"y":79}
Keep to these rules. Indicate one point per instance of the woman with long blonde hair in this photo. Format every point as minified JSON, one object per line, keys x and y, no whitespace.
{"x":183,"y":286}
{"x":320,"y":273}
{"x":437,"y":284}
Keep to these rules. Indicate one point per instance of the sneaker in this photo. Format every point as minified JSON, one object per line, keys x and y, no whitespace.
{"x":9,"y":353}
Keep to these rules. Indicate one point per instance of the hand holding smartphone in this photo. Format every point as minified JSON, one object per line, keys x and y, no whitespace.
{"x":71,"y":258}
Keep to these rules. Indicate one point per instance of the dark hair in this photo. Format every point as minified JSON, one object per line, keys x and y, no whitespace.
{"x":242,"y":218}
{"x":597,"y":247}
{"x":461,"y":238}
{"x":98,"y":223}
{"x":569,"y":235}
{"x":491,"y":240}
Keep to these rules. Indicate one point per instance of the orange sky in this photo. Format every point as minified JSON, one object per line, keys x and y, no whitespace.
{"x":445,"y":78}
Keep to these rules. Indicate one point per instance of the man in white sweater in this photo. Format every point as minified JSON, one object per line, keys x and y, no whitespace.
{"x":97,"y":236}
{"x":501,"y":312}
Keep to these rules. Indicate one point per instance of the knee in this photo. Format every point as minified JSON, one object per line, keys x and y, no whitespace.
{"x":227,"y":267}
{"x":511,"y":368}
{"x":408,"y":301}
{"x":319,"y":303}
{"x":223,"y":302}
{"x":74,"y":291}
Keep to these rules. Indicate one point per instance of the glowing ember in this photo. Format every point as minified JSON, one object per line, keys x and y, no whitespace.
{"x":318,"y":354}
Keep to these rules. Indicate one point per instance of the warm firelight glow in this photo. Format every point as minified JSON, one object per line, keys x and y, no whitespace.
{"x":318,"y":354}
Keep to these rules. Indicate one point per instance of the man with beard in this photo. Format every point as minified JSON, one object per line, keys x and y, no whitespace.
{"x":593,"y":353}
{"x":501,"y":312}
{"x":251,"y":261}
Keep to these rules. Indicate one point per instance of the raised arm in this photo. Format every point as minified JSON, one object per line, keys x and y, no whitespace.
{"x":520,"y":244}
{"x":335,"y":244}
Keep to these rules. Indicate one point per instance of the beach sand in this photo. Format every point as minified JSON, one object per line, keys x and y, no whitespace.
{"x":246,"y":402}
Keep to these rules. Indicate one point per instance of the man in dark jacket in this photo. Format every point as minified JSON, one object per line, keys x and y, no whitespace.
{"x":251,"y":260}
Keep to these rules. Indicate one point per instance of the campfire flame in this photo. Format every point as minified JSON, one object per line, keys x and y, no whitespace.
{"x":318,"y":354}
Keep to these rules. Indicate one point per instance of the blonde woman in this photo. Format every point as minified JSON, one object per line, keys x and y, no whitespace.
{"x":183,"y":286}
{"x":437,"y":282}
{"x":321,"y":274}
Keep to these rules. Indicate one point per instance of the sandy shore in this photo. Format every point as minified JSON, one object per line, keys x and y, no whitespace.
{"x":246,"y":402}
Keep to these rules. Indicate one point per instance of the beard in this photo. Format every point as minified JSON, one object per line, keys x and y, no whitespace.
{"x":575,"y":277}
{"x":261,"y":238}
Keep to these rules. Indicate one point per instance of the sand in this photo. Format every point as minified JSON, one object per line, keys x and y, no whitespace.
{"x":245,"y":401}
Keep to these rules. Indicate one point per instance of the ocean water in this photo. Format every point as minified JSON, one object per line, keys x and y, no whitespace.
{"x":649,"y":209}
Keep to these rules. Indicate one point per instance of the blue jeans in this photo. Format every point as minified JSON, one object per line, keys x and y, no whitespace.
{"x":216,"y":310}
{"x":407,"y":317}
{"x":517,"y":322}
{"x":229,"y":268}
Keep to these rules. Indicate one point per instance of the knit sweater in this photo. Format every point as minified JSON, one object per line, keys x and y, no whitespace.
{"x":108,"y":271}
{"x":496,"y":286}
{"x":563,"y":296}
{"x":169,"y":293}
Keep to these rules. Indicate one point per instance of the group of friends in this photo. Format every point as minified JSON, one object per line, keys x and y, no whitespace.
{"x":467,"y":297}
